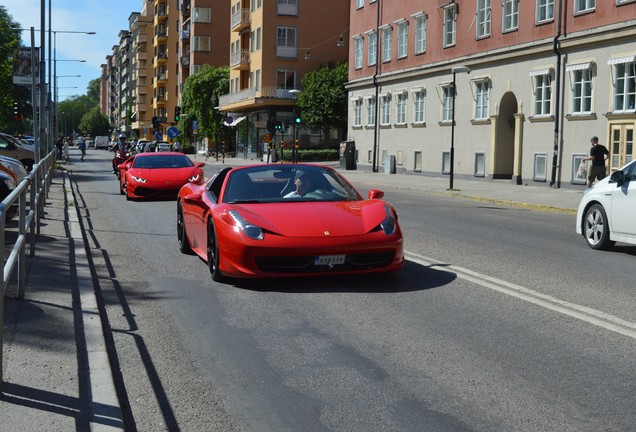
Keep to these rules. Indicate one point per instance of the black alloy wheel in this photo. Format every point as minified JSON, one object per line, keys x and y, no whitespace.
{"x":182,"y":238}
{"x":213,"y":254}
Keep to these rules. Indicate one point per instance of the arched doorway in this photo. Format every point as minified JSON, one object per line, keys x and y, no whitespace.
{"x":504,"y":143}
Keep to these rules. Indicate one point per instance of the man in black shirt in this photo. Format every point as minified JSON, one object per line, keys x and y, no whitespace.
{"x":598,"y":156}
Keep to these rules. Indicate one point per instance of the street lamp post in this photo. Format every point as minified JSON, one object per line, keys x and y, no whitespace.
{"x":455,"y":70}
{"x":295,"y":93}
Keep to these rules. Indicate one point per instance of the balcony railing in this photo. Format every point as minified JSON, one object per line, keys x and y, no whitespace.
{"x":251,"y":94}
{"x":240,"y":59}
{"x":240,"y":19}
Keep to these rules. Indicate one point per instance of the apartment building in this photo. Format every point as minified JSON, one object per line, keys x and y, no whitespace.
{"x":141,"y":30}
{"x":108,"y":98}
{"x":126,"y":85}
{"x":532,"y":81}
{"x":273,"y":44}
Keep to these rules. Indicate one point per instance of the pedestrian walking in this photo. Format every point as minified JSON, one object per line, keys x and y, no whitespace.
{"x":176,"y":146}
{"x":60,"y":147}
{"x":598,"y":156}
{"x":82,"y":147}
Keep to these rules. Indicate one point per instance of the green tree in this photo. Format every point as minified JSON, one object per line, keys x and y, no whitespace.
{"x":71,"y":111}
{"x":200,"y":95}
{"x":323,"y":99}
{"x":9,"y":39}
{"x":94,"y":123}
{"x":92,"y":91}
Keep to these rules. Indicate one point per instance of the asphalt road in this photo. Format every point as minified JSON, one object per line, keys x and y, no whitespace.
{"x":501,"y":320}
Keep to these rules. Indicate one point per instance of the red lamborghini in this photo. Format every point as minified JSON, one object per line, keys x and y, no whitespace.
{"x":287,"y":220}
{"x":157,"y":174}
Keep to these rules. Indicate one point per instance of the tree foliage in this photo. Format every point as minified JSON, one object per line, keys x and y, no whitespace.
{"x":94,"y":123}
{"x":200,"y":96}
{"x":71,"y":111}
{"x":323,"y":99}
{"x":92,"y":91}
{"x":9,"y":39}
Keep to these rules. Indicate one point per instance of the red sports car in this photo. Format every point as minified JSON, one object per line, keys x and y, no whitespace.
{"x":287,"y":220}
{"x":157,"y":174}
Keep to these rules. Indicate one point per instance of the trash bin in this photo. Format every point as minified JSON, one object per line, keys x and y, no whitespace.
{"x":389,"y":164}
{"x":348,"y":155}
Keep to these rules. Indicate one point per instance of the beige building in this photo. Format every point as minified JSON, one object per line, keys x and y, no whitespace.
{"x":272,"y":46}
{"x":141,"y":30}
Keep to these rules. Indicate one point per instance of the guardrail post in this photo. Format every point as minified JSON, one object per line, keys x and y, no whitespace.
{"x":34,"y":220}
{"x":22,"y":254}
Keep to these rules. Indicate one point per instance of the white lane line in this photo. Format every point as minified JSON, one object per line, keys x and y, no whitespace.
{"x":589,"y":315}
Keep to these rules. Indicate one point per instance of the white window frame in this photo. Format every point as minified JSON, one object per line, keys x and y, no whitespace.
{"x":623,"y":74}
{"x":447,"y":103}
{"x":258,"y":39}
{"x":402,"y":38}
{"x":581,"y":86}
{"x":372,"y":48}
{"x":357,"y":112}
{"x":482,"y":99}
{"x":288,"y":39}
{"x":387,"y":42}
{"x":540,"y":167}
{"x":450,"y":25}
{"x":419,"y":106}
{"x":202,"y":15}
{"x":484,"y":14}
{"x":358,"y":41}
{"x":545,"y":11}
{"x":542,"y":89}
{"x":201,"y":43}
{"x":359,"y":4}
{"x":385,"y":109}
{"x":371,"y":111}
{"x":584,"y":6}
{"x":420,"y":32}
{"x":510,"y":15}
{"x":286,"y":74}
{"x":401,"y":98}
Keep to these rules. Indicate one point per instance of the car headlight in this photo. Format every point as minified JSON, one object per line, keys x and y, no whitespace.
{"x":252,"y":231}
{"x":388,"y":225}
{"x":195,"y":178}
{"x":139,"y":179}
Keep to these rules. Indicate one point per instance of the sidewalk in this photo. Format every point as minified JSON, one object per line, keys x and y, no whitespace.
{"x":56,"y":374}
{"x":56,"y":371}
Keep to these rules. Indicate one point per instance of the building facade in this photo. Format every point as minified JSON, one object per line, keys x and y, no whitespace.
{"x":272,"y":46}
{"x":532,"y":81}
{"x":141,"y":31}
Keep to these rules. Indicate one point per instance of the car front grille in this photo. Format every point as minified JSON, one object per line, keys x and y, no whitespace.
{"x":305,"y":264}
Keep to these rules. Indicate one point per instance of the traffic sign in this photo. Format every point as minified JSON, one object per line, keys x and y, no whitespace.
{"x":172,"y":132}
{"x":267,"y":138}
{"x":159,"y":136}
{"x":195,"y":125}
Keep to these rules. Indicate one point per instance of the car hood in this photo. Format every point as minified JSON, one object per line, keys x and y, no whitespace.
{"x":161,"y":174}
{"x":315,"y":219}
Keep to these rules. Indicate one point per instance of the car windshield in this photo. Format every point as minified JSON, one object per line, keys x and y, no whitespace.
{"x":163,"y":161}
{"x":290,"y":184}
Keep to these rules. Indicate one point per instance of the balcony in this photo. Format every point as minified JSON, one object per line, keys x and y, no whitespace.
{"x":162,"y":36}
{"x":240,"y":20}
{"x":162,"y":57}
{"x":185,"y":9}
{"x":185,"y":35}
{"x":162,"y":13}
{"x":185,"y":61}
{"x":161,"y":79}
{"x":141,"y":55}
{"x":240,"y":60}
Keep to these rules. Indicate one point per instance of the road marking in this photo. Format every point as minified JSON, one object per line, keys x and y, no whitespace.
{"x":589,"y":315}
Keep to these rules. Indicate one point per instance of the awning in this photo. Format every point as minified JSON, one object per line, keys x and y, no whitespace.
{"x":580,"y":66}
{"x":235,"y":122}
{"x":621,"y":60}
{"x":541,"y":72}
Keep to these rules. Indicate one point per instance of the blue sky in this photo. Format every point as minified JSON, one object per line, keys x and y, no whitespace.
{"x":106,"y":18}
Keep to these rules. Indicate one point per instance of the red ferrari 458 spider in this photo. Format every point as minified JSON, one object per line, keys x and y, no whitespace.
{"x":157,"y":174}
{"x":287,"y":220}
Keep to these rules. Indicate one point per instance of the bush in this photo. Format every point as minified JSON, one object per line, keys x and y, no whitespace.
{"x":317,"y":155}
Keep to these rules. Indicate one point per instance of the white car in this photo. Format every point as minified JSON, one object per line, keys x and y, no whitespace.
{"x":606,"y":212}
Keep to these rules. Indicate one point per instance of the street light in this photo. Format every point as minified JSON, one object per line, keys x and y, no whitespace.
{"x":455,"y":70}
{"x":295,"y":93}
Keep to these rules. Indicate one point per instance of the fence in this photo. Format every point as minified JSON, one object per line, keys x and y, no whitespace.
{"x":33,"y":188}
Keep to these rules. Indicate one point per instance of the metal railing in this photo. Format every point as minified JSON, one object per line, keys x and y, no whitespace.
{"x":34,"y":188}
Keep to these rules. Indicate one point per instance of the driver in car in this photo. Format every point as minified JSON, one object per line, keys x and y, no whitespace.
{"x":303,"y":185}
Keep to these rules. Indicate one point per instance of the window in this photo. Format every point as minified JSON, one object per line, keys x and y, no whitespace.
{"x":286,"y":37}
{"x":201,"y":15}
{"x":357,"y":112}
{"x":359,"y":4}
{"x":545,"y":10}
{"x":510,"y":15}
{"x":387,"y":36}
{"x":542,"y":93}
{"x":540,"y":167}
{"x":581,"y":85}
{"x":372,"y":53}
{"x":257,"y":84}
{"x":285,"y":79}
{"x":358,"y":52}
{"x":447,"y":103}
{"x":420,"y":34}
{"x":418,"y":106}
{"x":201,"y":43}
{"x":450,"y":25}
{"x":446,"y":163}
{"x":584,"y":5}
{"x":385,"y":108}
{"x":258,"y":38}
{"x":483,"y":18}
{"x":252,"y":41}
{"x":482,"y":90}
{"x":402,"y":38}
{"x":480,"y":164}
{"x":400,"y":105}
{"x":624,"y":82}
{"x":371,"y":111}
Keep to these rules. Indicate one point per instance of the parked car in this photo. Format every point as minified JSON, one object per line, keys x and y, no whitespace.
{"x":101,"y":142}
{"x":141,"y":145}
{"x":10,"y":147}
{"x":7,"y":185}
{"x":15,"y":166}
{"x":157,"y":174}
{"x":162,"y":146}
{"x":247,"y":222}
{"x":606,"y":211}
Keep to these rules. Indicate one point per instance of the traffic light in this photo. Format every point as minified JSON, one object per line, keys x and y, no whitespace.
{"x":279,"y":125}
{"x":287,"y":123}
{"x":177,"y":113}
{"x":297,"y":117}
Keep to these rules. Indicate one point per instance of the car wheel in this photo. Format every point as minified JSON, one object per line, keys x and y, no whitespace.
{"x":182,"y":238}
{"x":213,"y":254}
{"x":128,"y":195}
{"x":122,"y":189}
{"x":596,"y":228}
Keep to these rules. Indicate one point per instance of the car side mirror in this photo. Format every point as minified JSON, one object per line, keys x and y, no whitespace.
{"x":376,"y":194}
{"x":193,"y":198}
{"x":618,"y":177}
{"x":201,"y":164}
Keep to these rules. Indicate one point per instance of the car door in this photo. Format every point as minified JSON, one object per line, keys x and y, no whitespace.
{"x":623,"y":210}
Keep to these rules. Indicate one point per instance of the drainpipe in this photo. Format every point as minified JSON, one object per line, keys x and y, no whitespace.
{"x":377,"y":88}
{"x":557,"y":100}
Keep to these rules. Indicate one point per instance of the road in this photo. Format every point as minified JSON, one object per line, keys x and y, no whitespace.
{"x":501,"y":320}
